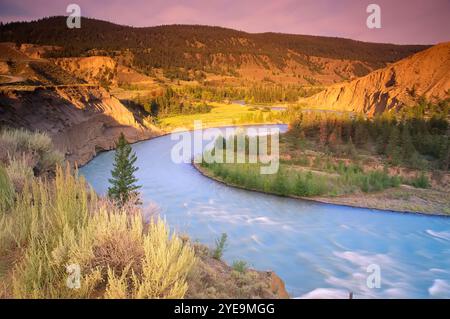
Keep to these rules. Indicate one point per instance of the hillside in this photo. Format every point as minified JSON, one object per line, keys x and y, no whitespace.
{"x":99,"y":70}
{"x":24,"y":65}
{"x":425,"y":74}
{"x":190,"y":52}
{"x":81,"y":120}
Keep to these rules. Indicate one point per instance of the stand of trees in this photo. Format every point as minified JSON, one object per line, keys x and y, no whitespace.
{"x":169,"y":103}
{"x":411,"y":138}
{"x":258,"y":94}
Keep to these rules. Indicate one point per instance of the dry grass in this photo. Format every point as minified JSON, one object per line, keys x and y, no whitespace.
{"x":212,"y":278}
{"x":7,"y":193}
{"x":221,"y":115}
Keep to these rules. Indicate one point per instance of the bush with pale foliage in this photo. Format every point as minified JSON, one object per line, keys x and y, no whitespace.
{"x":35,"y":148}
{"x":62,"y":222}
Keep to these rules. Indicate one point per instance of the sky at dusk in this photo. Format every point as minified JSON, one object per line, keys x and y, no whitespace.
{"x":402,"y":21}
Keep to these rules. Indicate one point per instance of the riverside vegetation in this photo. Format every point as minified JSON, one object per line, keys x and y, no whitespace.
{"x":331,"y":156}
{"x":51,"y":221}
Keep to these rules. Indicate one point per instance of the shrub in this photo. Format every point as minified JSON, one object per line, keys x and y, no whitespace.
{"x":240,"y":266}
{"x":280,"y":184}
{"x":220,"y":246}
{"x":62,"y":222}
{"x":309,"y":184}
{"x":421,"y":181}
{"x":37,"y":146}
{"x":20,"y":171}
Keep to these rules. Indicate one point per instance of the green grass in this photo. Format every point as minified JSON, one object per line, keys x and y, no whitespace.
{"x":304,"y":183}
{"x":221,"y":115}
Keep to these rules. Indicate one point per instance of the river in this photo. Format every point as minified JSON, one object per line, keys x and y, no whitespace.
{"x":317,"y":249}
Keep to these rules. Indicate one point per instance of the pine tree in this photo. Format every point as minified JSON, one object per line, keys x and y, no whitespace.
{"x":407,"y":145}
{"x":123,"y":187}
{"x":444,"y":154}
{"x":393,"y":148}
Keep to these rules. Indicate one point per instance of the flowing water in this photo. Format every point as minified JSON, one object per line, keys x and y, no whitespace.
{"x":317,"y":249}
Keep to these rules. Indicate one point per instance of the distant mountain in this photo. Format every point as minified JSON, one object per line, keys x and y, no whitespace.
{"x":272,"y":57}
{"x":425,"y":74}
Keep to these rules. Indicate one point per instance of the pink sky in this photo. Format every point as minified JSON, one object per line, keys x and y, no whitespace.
{"x":403,"y":21}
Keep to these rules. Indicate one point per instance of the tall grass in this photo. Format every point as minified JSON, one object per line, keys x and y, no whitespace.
{"x":7,"y":193}
{"x":62,"y":222}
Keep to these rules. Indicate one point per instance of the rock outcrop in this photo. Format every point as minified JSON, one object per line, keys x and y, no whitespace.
{"x":426,"y":73}
{"x":82,"y":120}
{"x":94,"y":69}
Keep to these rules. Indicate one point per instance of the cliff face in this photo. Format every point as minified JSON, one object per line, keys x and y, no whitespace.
{"x":81,"y":120}
{"x":93,"y":69}
{"x":426,"y":73}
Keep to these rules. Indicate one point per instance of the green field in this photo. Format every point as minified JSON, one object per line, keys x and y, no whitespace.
{"x":221,"y":115}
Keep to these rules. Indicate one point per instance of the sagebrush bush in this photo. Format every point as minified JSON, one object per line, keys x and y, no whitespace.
{"x":38,"y":147}
{"x":20,"y":171}
{"x":62,"y":222}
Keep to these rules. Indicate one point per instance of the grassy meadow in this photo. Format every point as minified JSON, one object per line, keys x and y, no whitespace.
{"x":222,"y":114}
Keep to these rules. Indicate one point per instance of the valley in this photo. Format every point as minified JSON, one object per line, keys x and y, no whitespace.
{"x":364,"y":138}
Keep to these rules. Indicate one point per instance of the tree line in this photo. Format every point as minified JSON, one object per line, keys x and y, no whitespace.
{"x":412,"y":137}
{"x":254,"y":94}
{"x":170,"y":102}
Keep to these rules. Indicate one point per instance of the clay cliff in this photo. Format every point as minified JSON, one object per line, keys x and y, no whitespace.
{"x":81,"y":120}
{"x":100,"y":70}
{"x":426,"y":74}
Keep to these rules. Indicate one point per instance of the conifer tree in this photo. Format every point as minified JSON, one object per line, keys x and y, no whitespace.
{"x":123,"y":182}
{"x":407,"y":144}
{"x":393,"y":150}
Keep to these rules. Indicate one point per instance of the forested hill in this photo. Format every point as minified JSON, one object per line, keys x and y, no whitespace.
{"x":175,"y":45}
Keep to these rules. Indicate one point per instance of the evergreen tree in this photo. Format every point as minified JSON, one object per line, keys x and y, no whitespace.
{"x":154,"y":108}
{"x":444,"y":154}
{"x":361,"y":132}
{"x":407,"y":145}
{"x":393,"y":150}
{"x":123,"y":183}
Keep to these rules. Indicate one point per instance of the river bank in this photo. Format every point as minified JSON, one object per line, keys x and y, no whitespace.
{"x":310,"y":245}
{"x":402,"y":199}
